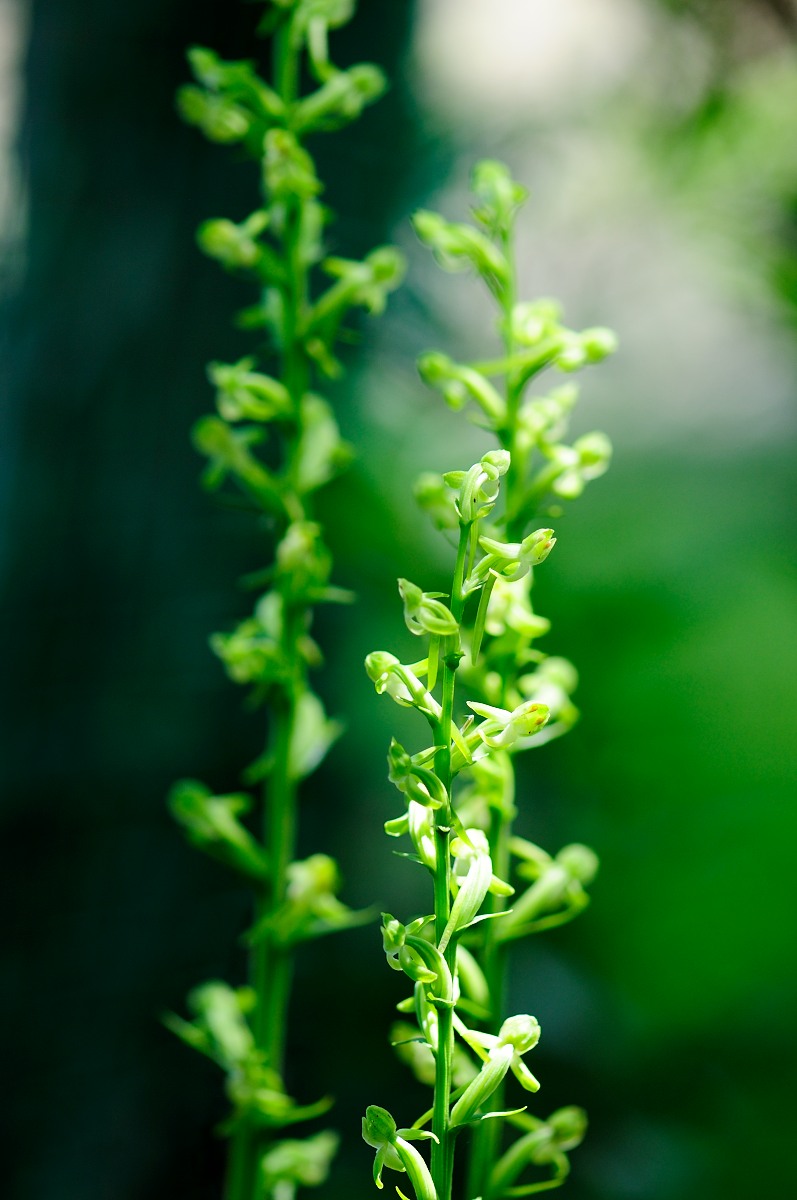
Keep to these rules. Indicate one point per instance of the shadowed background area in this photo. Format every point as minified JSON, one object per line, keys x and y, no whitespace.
{"x":658,"y":142}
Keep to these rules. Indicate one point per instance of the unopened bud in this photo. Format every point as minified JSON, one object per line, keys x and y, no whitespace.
{"x":522,"y":1032}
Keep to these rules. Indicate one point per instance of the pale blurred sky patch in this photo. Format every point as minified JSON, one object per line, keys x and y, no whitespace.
{"x":500,"y":58}
{"x":559,"y":89}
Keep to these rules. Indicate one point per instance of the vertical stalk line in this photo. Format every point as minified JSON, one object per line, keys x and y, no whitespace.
{"x":486,"y":1143}
{"x":443,"y":1149}
{"x":271,"y":965}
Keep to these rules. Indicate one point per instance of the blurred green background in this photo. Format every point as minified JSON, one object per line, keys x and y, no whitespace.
{"x":660,"y":144}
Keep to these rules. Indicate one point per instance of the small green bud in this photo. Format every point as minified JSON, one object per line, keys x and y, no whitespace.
{"x":211,"y":823}
{"x":298,"y":1163}
{"x":237,"y":80}
{"x":569,"y":1126}
{"x":303,"y":562}
{"x":365,"y":283}
{"x":478,"y":487}
{"x":512,"y":560}
{"x":219,"y":118}
{"x":312,"y":877}
{"x":533,"y":321}
{"x":521,"y":1032}
{"x":234,"y":246}
{"x":378,"y":662}
{"x":435,"y":499}
{"x":500,"y":460}
{"x":598,"y":343}
{"x":510,"y":608}
{"x":288,"y":170}
{"x":502,"y":728}
{"x":219,"y":1012}
{"x":591,"y":346}
{"x":244,"y":394}
{"x":594,"y":452}
{"x":424,"y":613}
{"x":416,"y":783}
{"x":558,"y":671}
{"x":340,"y":99}
{"x":579,"y":861}
{"x":458,"y":384}
{"x":393,"y":937}
{"x":229,"y":451}
{"x":458,"y":246}
{"x":499,"y":194}
{"x":535,"y":548}
{"x":420,"y":826}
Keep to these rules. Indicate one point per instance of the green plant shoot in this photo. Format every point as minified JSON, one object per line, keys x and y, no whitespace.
{"x":479,"y":644}
{"x":275,"y":441}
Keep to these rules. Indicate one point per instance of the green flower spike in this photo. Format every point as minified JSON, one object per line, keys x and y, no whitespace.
{"x":393,"y":1150}
{"x":516,"y":1037}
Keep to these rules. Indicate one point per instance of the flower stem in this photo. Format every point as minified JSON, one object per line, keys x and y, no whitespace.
{"x":271,"y":965}
{"x":485,"y":1147}
{"x":443,"y":1149}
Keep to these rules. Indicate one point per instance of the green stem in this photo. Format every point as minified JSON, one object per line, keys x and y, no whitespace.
{"x":487,"y":1136}
{"x":271,"y":964}
{"x":443,"y":1149}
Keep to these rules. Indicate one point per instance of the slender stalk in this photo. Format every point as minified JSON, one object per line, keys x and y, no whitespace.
{"x":514,"y":703}
{"x":442,"y":1150}
{"x":486,"y":1143}
{"x":271,"y":970}
{"x":276,"y":246}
